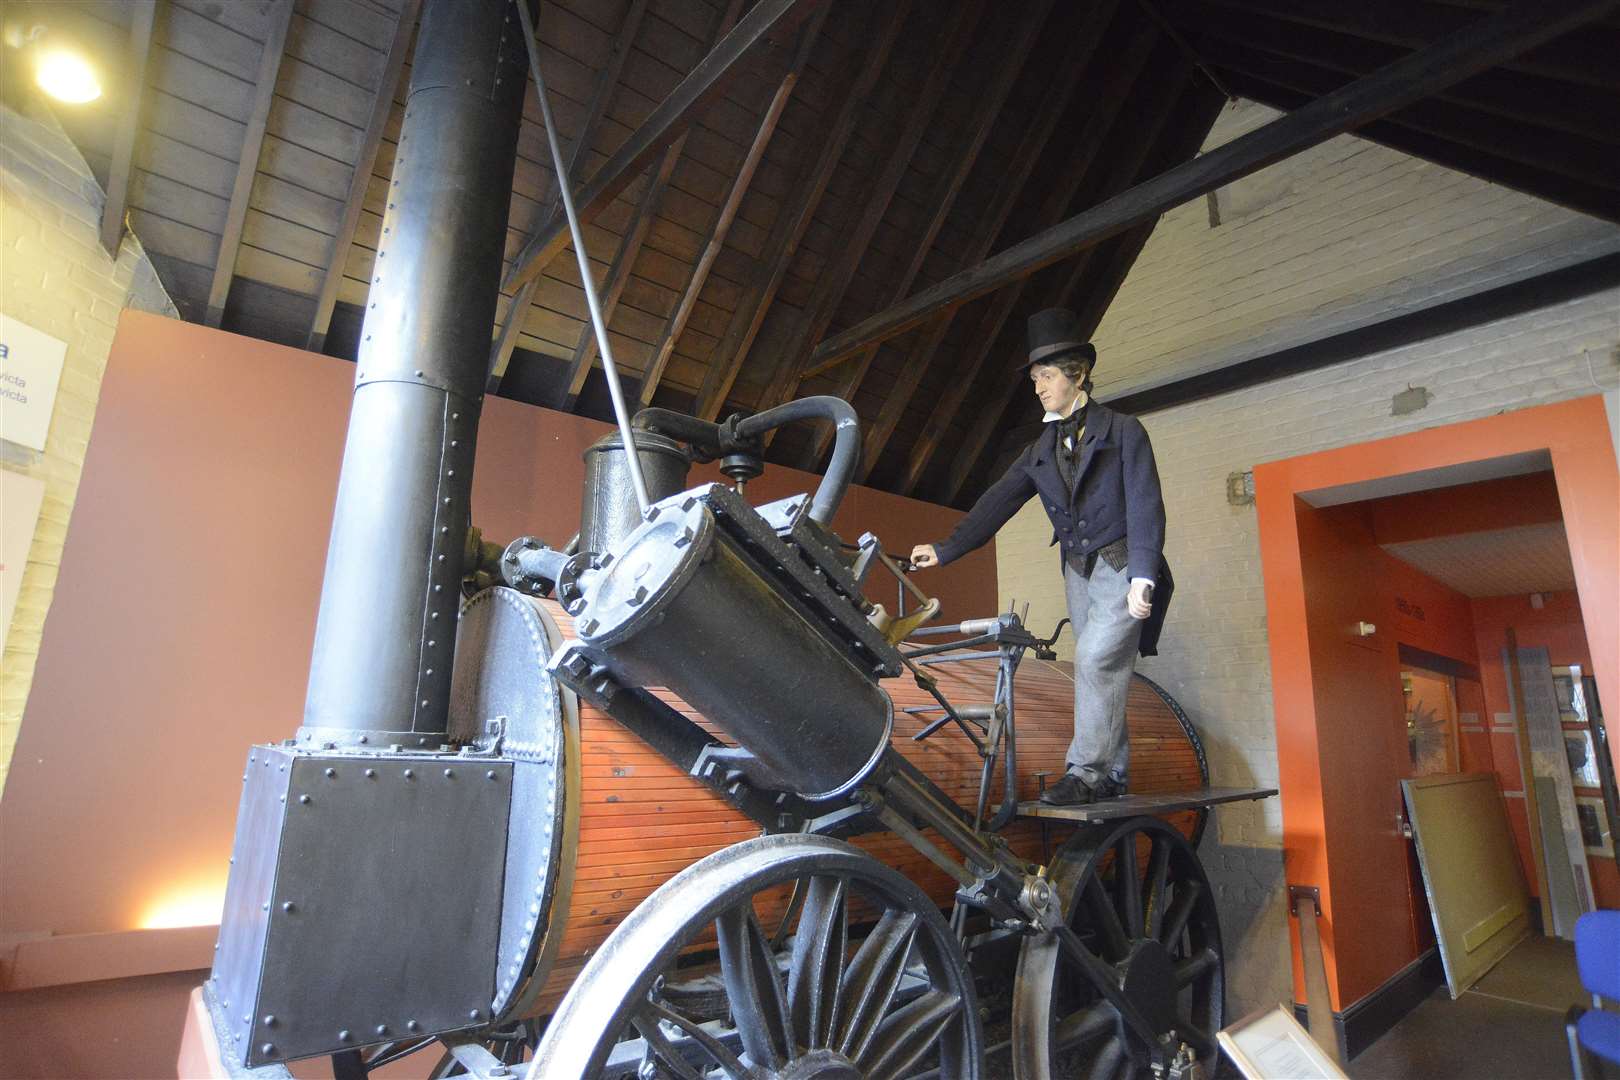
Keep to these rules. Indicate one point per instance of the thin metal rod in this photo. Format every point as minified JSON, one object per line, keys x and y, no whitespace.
{"x":620,"y":413}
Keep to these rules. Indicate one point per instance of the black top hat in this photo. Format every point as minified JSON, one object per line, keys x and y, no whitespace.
{"x":1056,"y":333}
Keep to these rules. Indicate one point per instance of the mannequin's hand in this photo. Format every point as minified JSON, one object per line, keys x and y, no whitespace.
{"x":924,"y":556}
{"x":1140,"y":602}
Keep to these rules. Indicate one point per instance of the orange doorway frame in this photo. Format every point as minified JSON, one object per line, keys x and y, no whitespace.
{"x":1576,"y":435}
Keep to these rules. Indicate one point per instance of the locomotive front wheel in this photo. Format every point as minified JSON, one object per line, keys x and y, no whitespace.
{"x":870,"y":984}
{"x":1136,"y":894}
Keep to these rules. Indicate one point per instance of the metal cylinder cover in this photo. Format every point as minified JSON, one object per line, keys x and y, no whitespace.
{"x":608,"y":511}
{"x":677,"y":606}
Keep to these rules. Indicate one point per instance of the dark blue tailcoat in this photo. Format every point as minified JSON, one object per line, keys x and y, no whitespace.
{"x":1115,"y":494}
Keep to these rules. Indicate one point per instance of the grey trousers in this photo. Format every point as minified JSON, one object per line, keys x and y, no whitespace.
{"x":1105,"y":640}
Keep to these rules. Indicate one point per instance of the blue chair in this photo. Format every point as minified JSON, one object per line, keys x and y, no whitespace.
{"x":1594,"y":1034}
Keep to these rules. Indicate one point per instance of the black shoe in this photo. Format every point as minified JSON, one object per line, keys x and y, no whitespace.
{"x":1071,"y":790}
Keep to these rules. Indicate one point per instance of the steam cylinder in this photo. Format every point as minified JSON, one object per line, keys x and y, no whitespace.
{"x":609,"y":512}
{"x":678,"y":607}
{"x":386,"y":629}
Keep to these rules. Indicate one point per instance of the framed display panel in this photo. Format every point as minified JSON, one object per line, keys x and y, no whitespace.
{"x":1271,"y":1045}
{"x":1471,"y":872}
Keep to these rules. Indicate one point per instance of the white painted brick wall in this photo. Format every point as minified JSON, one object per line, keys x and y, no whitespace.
{"x":56,"y":277}
{"x":1351,"y":232}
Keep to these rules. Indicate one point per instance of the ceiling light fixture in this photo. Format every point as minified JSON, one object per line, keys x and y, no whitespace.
{"x":66,"y":76}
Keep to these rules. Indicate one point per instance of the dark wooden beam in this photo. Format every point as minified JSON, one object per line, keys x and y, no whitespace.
{"x":142,"y":17}
{"x":762,"y":28}
{"x":607,"y":85}
{"x":943,"y":197}
{"x":1119,"y":77}
{"x":1086,"y":290}
{"x":381,"y":108}
{"x":1587,"y":198}
{"x":676,"y":323}
{"x":1535,"y":99}
{"x":793,"y":218}
{"x":624,"y":256}
{"x":1570,"y":156}
{"x":1585,"y":59}
{"x":872,"y":203}
{"x":1447,"y":317}
{"x":1480,"y":46}
{"x":278,"y":19}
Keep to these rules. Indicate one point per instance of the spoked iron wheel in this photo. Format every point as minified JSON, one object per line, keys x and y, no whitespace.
{"x":870,"y":984}
{"x":1137,"y":896}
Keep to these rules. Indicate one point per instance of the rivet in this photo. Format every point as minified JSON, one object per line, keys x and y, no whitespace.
{"x":267,"y":1048}
{"x":438,"y":588}
{"x":449,"y":772}
{"x":456,"y":416}
{"x":428,"y":672}
{"x":370,"y":773}
{"x":365,"y":738}
{"x":424,"y":705}
{"x":284,"y":798}
{"x":447,"y":500}
{"x":344,"y":1036}
{"x":382,"y":1029}
{"x":411,"y":773}
{"x":444,"y":528}
{"x":450,"y":472}
{"x":472,"y":1014}
{"x":434,"y":615}
{"x":418,"y":373}
{"x":453,"y":442}
{"x":304,"y":799}
{"x":431,"y":643}
{"x":269,"y":1020}
{"x":287,"y":905}
{"x":330,"y":773}
{"x":262,"y":907}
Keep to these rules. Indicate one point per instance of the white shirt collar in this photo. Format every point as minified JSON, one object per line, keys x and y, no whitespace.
{"x":1078,"y":402}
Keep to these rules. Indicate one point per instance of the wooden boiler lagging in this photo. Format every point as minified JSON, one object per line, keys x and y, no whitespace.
{"x":641,"y":819}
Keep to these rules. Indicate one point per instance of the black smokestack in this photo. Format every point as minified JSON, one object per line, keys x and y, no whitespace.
{"x":386,"y":629}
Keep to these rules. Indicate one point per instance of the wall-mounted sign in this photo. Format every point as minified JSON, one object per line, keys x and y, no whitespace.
{"x":20,"y":497}
{"x":30,"y":368}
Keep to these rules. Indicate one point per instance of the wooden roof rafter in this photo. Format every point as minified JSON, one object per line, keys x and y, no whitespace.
{"x":1121,"y":72}
{"x":370,"y":143}
{"x":1354,"y":106}
{"x":142,"y":21}
{"x":950,"y":185}
{"x":760,"y":29}
{"x":247,"y":166}
{"x":726,"y":215}
{"x":833,"y":281}
{"x":607,"y":84}
{"x":793,"y":218}
{"x":624,"y":256}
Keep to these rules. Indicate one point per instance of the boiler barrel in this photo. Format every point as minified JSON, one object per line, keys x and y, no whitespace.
{"x":641,"y":819}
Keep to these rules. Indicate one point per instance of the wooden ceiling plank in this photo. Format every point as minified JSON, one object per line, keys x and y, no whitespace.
{"x":1601,"y":202}
{"x":833,"y":282}
{"x":624,"y":257}
{"x":247,"y":166}
{"x":713,"y":74}
{"x":792,"y":219}
{"x":1535,"y":99}
{"x":1427,"y":71}
{"x":1155,"y":152}
{"x":142,"y":18}
{"x":676,"y":324}
{"x":607,"y":84}
{"x":382,"y":106}
{"x":1123,"y":73}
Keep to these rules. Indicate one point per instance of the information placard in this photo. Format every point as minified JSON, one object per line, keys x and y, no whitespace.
{"x":1271,"y":1045}
{"x":30,"y":368}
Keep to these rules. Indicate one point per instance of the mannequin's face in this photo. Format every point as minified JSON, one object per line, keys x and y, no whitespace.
{"x":1056,"y":390}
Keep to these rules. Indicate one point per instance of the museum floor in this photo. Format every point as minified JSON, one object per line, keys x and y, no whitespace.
{"x":1511,"y":1024}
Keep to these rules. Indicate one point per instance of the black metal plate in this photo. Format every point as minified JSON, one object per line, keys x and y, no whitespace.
{"x":385,"y":909}
{"x":1158,"y":802}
